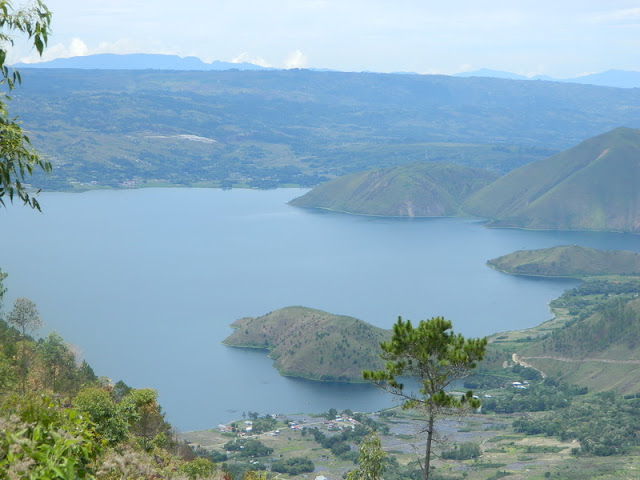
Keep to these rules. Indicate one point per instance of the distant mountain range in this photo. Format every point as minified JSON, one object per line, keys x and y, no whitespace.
{"x":140,"y":61}
{"x":610,"y":78}
{"x":145,"y":61}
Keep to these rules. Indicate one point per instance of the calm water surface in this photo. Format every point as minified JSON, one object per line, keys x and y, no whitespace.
{"x":146,"y":283}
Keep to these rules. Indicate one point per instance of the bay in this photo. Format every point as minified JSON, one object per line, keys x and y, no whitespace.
{"x":146,"y":282}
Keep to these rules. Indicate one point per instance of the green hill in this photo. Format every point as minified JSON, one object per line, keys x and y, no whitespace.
{"x":593,"y":186}
{"x":568,"y":261}
{"x":313,"y":344}
{"x":601,"y":351}
{"x":425,"y":189}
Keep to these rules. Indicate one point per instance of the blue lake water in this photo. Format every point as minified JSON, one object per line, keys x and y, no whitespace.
{"x":146,"y":282}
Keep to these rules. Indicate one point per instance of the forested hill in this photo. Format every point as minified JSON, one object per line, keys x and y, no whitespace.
{"x":313,"y":344}
{"x":296,"y":127}
{"x":568,"y":261}
{"x":414,"y":190}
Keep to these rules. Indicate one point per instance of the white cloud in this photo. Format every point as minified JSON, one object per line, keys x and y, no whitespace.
{"x":244,"y":57}
{"x":296,"y":59}
{"x":78,"y":48}
{"x":627,"y":15}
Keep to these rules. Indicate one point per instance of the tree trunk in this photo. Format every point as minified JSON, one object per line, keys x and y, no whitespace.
{"x":427,"y":453}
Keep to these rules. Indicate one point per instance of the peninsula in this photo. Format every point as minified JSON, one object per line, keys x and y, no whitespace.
{"x":313,"y":344}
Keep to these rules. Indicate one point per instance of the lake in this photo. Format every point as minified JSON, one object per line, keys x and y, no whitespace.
{"x":146,"y":282}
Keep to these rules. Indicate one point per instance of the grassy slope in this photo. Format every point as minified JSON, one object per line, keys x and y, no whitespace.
{"x":569,"y":261}
{"x":313,"y":344}
{"x":601,"y":352}
{"x":414,"y":190}
{"x":592,"y":186}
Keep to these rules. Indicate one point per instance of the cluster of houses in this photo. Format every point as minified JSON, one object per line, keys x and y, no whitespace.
{"x":520,"y":385}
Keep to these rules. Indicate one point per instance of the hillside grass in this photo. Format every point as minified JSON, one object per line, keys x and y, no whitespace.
{"x":313,"y":344}
{"x":592,"y":186}
{"x":568,"y":261}
{"x":426,"y":189}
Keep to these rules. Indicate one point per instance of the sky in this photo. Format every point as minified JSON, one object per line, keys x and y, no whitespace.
{"x":559,"y":38}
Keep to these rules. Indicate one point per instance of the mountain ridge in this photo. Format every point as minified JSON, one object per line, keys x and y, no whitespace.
{"x":609,"y":78}
{"x":141,"y":61}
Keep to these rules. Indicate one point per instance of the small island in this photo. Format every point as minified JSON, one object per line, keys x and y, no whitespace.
{"x":313,"y":344}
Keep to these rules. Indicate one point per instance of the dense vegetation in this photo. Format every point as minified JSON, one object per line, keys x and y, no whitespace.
{"x":276,"y":128}
{"x":604,"y":425}
{"x":539,"y":397}
{"x":313,"y":344}
{"x":59,"y":420}
{"x":611,"y":332}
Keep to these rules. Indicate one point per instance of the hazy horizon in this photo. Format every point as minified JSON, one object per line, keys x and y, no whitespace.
{"x":558,"y":39}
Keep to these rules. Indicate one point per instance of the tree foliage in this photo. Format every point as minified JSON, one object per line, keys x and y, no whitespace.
{"x":17,"y":158}
{"x":435,"y":356}
{"x":293,"y":466}
{"x":372,"y":460}
{"x":40,"y":440}
{"x":25,"y":316}
{"x":604,"y":425}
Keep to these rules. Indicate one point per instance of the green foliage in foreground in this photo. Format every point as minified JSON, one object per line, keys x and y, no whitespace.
{"x":435,"y":356}
{"x":372,"y":461}
{"x":18,"y":160}
{"x":40,"y":440}
{"x":604,"y":425}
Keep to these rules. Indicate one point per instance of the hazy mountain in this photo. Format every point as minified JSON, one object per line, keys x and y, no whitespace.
{"x":426,"y":189}
{"x":139,"y":61}
{"x":147,"y":61}
{"x":593,"y":186}
{"x":485,"y":72}
{"x":610,"y":78}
